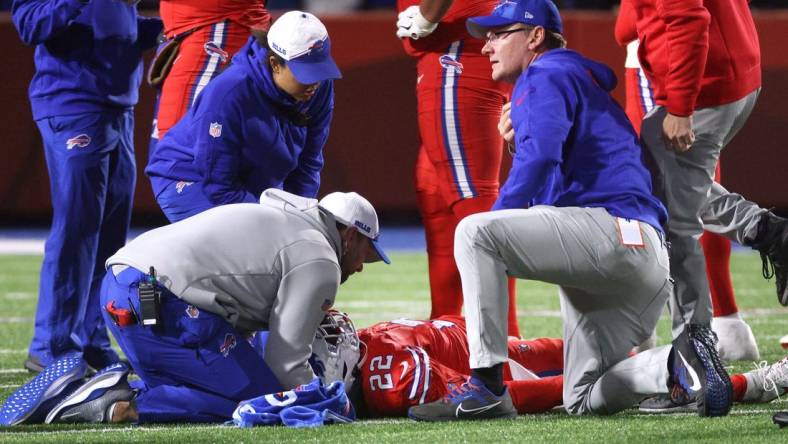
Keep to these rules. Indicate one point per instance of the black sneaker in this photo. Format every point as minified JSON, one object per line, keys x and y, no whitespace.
{"x":668,"y":404}
{"x":93,"y":401}
{"x":697,"y":370}
{"x":772,"y":242}
{"x":471,"y":400}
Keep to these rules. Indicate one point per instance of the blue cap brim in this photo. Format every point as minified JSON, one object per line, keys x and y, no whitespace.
{"x":381,"y":255}
{"x":478,"y":26}
{"x":308,"y":72}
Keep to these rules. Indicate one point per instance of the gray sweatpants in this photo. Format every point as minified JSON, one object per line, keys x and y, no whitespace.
{"x":611,"y":296}
{"x":683,"y":181}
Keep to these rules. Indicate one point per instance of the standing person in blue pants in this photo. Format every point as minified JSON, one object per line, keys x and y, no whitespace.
{"x":222,"y":275}
{"x":88,"y":70}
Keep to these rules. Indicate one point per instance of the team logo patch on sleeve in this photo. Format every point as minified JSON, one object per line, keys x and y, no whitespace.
{"x":212,"y":48}
{"x":80,"y":141}
{"x":215,"y":130}
{"x":449,"y":63}
{"x":227,"y":345}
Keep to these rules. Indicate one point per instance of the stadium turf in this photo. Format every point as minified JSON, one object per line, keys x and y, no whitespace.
{"x":400,"y":290}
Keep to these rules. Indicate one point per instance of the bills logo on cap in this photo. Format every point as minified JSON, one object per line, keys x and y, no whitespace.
{"x":81,"y":141}
{"x":278,"y":48}
{"x":212,"y":48}
{"x":450,"y":63}
{"x":227,"y":345}
{"x":215,"y":130}
{"x":505,"y":2}
{"x":361,"y":225}
{"x":317,"y":46}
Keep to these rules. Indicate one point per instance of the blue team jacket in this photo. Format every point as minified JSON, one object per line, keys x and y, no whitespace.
{"x":244,"y":135}
{"x":574,"y":144}
{"x":88,"y":54}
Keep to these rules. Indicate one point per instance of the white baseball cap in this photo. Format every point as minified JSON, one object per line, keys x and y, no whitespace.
{"x":354,"y":211}
{"x":302,"y":40}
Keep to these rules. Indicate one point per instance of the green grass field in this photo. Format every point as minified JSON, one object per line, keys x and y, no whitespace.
{"x":401,"y":290}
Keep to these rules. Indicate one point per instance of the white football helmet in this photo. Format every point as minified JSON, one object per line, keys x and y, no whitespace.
{"x":336,"y":349}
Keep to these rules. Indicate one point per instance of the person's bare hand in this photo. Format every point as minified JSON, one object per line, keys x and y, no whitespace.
{"x":677,"y":132}
{"x":505,"y":124}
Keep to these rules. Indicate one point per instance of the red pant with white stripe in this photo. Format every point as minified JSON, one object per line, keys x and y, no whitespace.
{"x":202,"y":56}
{"x":716,"y":249}
{"x":458,"y":168}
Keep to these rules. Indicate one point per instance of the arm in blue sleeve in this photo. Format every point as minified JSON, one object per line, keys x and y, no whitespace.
{"x":542,"y":116}
{"x":218,"y":157}
{"x":148,"y":30}
{"x":305,"y":179}
{"x":39,"y":20}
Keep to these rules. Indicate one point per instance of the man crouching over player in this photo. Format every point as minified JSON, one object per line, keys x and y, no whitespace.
{"x":184,"y":301}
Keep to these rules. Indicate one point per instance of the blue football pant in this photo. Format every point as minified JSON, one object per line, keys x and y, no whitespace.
{"x":180,"y":199}
{"x":195,"y":366}
{"x":90,"y":158}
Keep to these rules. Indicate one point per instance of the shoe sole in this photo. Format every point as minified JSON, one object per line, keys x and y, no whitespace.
{"x":79,"y":396}
{"x":717,"y":395}
{"x":689,"y":408}
{"x":54,"y":388}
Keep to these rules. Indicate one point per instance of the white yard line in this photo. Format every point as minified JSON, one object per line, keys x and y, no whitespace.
{"x":12,"y":370}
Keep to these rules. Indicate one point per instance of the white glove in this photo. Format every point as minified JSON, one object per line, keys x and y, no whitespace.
{"x":410,"y":23}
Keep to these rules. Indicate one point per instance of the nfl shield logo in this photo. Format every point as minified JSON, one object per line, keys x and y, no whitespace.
{"x":215,"y":130}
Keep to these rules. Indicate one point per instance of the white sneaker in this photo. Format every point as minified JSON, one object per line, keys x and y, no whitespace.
{"x":735,"y":341}
{"x":767,"y":382}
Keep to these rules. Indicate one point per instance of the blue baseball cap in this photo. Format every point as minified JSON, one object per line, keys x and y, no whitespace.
{"x":302,"y":40}
{"x":542,"y":13}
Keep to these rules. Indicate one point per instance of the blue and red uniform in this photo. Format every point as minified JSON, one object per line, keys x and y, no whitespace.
{"x":88,"y":72}
{"x":459,"y":161}
{"x":409,"y":362}
{"x":214,"y":31}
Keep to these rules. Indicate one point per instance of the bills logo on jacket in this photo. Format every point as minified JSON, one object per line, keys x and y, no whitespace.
{"x":81,"y":141}
{"x":212,"y":48}
{"x":228,"y":344}
{"x":450,"y":63}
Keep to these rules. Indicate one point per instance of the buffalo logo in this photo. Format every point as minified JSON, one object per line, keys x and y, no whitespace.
{"x":450,"y":63}
{"x":81,"y":141}
{"x":523,"y":347}
{"x":181,"y":185}
{"x":361,"y":225}
{"x":278,"y":49}
{"x":215,"y":130}
{"x":281,"y":399}
{"x":192,"y":312}
{"x":227,"y":345}
{"x":505,"y":3}
{"x":213,"y":49}
{"x":317,"y":46}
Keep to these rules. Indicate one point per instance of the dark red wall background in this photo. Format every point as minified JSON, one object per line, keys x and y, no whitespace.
{"x":373,"y":140}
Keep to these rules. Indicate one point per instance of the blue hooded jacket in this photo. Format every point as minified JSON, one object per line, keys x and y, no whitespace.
{"x":88,"y":53}
{"x":575,"y":146}
{"x":244,"y":135}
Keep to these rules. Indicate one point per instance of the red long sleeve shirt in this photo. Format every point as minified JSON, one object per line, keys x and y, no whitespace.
{"x":698,"y":53}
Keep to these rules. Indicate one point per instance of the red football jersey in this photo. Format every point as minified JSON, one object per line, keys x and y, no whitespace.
{"x":411,"y":362}
{"x":182,"y":15}
{"x":451,"y":27}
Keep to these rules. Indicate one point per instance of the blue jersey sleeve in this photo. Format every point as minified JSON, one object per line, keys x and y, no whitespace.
{"x":218,"y":156}
{"x":305,"y":179}
{"x":543,"y":106}
{"x":39,"y":20}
